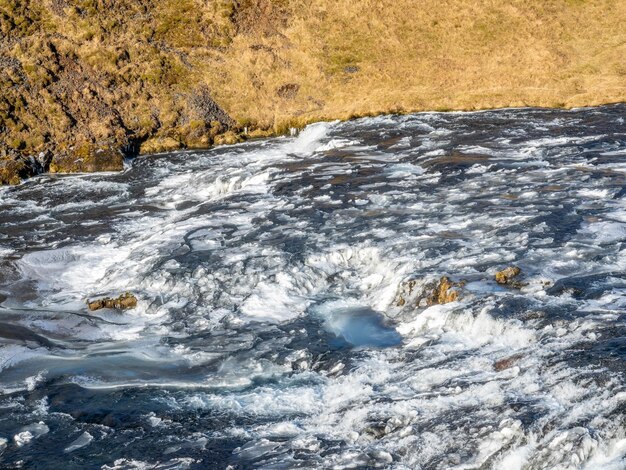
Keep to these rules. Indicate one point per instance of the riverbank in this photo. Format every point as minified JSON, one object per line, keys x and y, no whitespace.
{"x":85,"y":83}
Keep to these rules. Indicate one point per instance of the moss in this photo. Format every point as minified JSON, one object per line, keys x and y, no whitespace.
{"x":17,"y":144}
{"x":35,"y":142}
{"x":228,"y":138}
{"x":159,"y":145}
{"x":87,"y":157}
{"x":12,"y":172}
{"x":259,"y":133}
{"x":178,"y":25}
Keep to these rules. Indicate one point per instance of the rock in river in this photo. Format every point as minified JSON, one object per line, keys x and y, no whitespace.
{"x":505,"y":277}
{"x":425,"y":294}
{"x":123,"y":302}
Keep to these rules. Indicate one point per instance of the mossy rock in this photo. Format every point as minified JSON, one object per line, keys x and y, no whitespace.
{"x":159,"y":145}
{"x":201,"y":142}
{"x":87,"y":158}
{"x":12,"y":171}
{"x":260,"y":133}
{"x":227,"y":138}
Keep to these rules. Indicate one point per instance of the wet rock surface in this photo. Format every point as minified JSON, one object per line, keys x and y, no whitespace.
{"x":14,"y":168}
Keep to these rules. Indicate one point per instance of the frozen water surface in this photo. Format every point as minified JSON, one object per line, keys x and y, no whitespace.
{"x":268,"y":333}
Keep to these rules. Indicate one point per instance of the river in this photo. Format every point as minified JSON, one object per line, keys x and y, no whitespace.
{"x":269,"y":331}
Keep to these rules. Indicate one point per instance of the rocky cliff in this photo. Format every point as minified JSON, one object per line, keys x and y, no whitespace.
{"x":83,"y":82}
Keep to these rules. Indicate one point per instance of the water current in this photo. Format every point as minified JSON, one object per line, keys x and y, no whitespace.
{"x":271,"y":331}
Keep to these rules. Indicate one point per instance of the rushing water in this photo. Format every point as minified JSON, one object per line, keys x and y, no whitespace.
{"x":268,"y":332}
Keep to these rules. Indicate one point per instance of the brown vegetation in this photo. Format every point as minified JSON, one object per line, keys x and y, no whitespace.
{"x":88,"y":78}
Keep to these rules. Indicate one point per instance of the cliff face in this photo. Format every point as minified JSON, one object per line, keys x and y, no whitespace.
{"x":83,"y":80}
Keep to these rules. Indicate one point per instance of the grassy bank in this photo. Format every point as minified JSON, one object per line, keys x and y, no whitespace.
{"x":84,"y":79}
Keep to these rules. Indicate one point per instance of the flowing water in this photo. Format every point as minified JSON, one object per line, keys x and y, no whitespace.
{"x":269,"y":332}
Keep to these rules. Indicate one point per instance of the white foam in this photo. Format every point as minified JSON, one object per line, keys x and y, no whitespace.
{"x":310,"y":139}
{"x":72,"y":266}
{"x":81,"y":441}
{"x":275,"y":301}
{"x":336,"y":144}
{"x":30,"y":432}
{"x":604,"y":232}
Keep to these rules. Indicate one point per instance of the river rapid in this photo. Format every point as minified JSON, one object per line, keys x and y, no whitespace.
{"x":269,"y":331}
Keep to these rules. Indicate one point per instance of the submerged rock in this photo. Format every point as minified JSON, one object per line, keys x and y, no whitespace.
{"x":505,"y":277}
{"x":123,"y":302}
{"x":506,"y":363}
{"x":405,"y":291}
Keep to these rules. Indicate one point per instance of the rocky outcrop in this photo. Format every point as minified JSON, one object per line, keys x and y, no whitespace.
{"x":12,"y":171}
{"x":14,"y":168}
{"x":87,"y":158}
{"x":123,"y":302}
{"x":445,"y":291}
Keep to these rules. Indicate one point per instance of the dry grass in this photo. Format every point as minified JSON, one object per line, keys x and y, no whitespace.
{"x":118,"y":72}
{"x":366,"y":57}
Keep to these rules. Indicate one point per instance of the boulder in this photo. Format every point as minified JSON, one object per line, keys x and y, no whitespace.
{"x":445,"y":291}
{"x":123,"y":302}
{"x":505,"y":277}
{"x":425,"y":294}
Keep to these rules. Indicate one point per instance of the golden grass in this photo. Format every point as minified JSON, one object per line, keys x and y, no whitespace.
{"x":431,"y":54}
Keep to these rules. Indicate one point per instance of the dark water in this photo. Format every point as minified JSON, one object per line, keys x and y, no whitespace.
{"x":269,"y":332}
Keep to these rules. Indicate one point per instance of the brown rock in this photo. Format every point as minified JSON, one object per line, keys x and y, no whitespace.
{"x":506,"y":275}
{"x":444,"y":292}
{"x":123,"y":302}
{"x":506,"y":363}
{"x":438,"y":292}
